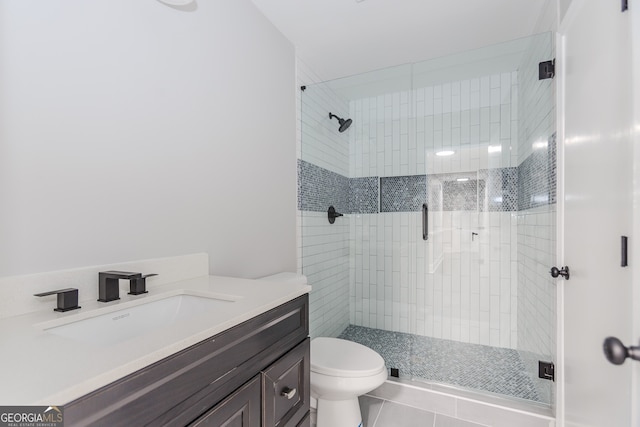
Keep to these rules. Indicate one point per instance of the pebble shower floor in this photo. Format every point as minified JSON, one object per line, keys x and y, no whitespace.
{"x":473,"y":366}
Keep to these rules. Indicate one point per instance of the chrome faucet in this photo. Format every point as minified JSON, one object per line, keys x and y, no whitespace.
{"x":108,"y":284}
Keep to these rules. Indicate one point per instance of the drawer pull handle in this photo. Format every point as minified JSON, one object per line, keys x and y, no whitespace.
{"x":288,"y":393}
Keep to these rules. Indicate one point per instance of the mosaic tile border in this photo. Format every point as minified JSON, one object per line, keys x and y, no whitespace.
{"x":460,"y":196}
{"x":319,"y":188}
{"x":363,"y":195}
{"x":500,"y":191}
{"x":493,"y":190}
{"x":531,"y":184}
{"x":403,"y":193}
{"x":537,"y":177}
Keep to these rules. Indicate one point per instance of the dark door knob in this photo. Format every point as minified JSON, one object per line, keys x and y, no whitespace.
{"x":564,"y":272}
{"x":616,"y":352}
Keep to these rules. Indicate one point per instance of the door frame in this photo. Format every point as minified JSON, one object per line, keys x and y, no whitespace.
{"x":634,"y":10}
{"x":572,"y":12}
{"x":560,"y":106}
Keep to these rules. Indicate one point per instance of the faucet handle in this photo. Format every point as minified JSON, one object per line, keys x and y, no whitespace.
{"x":125,"y":275}
{"x":138,"y":285}
{"x":67,"y":299}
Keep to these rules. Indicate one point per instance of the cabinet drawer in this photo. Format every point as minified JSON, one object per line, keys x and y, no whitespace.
{"x":306,"y":421}
{"x":242,"y":408}
{"x":286,"y":388}
{"x":177,"y":389}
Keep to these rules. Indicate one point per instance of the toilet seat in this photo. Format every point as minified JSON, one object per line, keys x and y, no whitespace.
{"x":341,"y":358}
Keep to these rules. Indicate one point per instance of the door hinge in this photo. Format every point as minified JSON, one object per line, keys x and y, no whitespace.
{"x":546,"y":370}
{"x":625,"y":5}
{"x":547,"y":69}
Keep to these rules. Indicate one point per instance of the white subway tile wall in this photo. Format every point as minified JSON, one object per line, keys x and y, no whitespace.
{"x":326,"y":264}
{"x":323,"y":248}
{"x":536,"y":250}
{"x":324,"y":145}
{"x":456,"y":285}
{"x":536,"y":102}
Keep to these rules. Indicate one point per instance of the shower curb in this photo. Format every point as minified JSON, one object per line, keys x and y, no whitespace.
{"x":464,"y":405}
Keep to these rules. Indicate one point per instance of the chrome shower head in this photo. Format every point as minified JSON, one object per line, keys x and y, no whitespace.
{"x":344,"y":124}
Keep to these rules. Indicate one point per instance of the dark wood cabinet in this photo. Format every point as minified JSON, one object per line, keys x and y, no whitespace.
{"x":241,"y":409}
{"x":286,"y":388}
{"x":216,"y":378}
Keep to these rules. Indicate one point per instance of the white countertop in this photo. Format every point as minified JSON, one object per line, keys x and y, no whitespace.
{"x":40,"y":368}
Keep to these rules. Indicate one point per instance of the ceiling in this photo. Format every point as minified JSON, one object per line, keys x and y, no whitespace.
{"x":338,"y":38}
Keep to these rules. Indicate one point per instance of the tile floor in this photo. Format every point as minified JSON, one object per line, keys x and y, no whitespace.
{"x":472,"y":366}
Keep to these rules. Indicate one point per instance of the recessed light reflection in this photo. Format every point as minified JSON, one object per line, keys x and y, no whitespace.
{"x":540,"y":198}
{"x":581,"y":139}
{"x":462,"y":179}
{"x":445,"y":153}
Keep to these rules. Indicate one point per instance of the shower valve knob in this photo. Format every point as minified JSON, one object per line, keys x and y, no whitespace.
{"x":332,"y":214}
{"x":564,"y":272}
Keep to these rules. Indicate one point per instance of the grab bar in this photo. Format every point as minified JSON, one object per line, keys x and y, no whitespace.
{"x":425,"y":221}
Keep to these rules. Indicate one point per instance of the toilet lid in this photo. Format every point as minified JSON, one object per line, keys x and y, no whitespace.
{"x":341,"y":358}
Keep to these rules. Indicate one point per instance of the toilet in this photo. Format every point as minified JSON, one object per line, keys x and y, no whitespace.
{"x":341,"y":371}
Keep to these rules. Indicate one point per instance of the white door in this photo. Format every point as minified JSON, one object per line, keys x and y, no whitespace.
{"x":598,"y":210}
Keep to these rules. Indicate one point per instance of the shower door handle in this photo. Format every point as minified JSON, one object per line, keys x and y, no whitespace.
{"x":425,"y":221}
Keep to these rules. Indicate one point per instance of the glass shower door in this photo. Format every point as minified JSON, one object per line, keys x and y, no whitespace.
{"x":491,"y":197}
{"x":470,"y":135}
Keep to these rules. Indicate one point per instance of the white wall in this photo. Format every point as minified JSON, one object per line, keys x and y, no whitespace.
{"x":563,"y":6}
{"x":133,"y":130}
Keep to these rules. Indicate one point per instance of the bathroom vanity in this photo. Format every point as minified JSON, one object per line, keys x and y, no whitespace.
{"x":195,"y":350}
{"x":254,"y":374}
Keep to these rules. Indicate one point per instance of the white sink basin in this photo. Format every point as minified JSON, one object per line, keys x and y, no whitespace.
{"x":127,"y":323}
